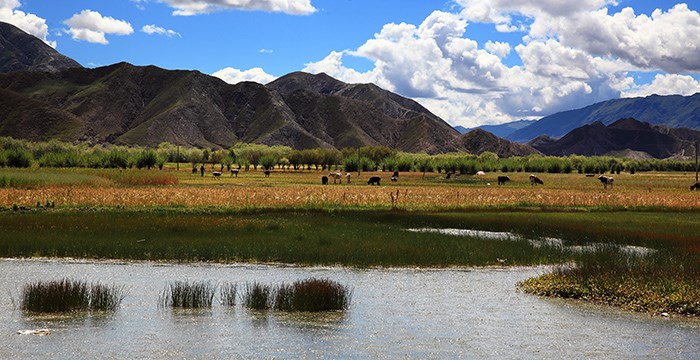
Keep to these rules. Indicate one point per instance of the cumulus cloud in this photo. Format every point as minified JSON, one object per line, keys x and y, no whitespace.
{"x":29,"y":23}
{"x":157,"y":30}
{"x":666,"y":84}
{"x":92,"y":27}
{"x":572,"y":54}
{"x":195,"y":7}
{"x":234,"y":76}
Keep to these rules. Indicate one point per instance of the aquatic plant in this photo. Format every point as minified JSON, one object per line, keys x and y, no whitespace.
{"x":68,"y":295}
{"x":312,"y":295}
{"x":257,"y":296}
{"x":185,"y":294}
{"x":227,"y":294}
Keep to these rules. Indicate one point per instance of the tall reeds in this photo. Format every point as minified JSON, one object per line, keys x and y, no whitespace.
{"x":185,"y":294}
{"x":68,"y":295}
{"x":312,"y":295}
{"x":257,"y":296}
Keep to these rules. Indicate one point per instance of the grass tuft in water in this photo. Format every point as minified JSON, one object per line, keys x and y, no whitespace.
{"x":228,"y":293}
{"x":184,"y":294}
{"x":68,"y":295}
{"x":257,"y":296}
{"x":312,"y":295}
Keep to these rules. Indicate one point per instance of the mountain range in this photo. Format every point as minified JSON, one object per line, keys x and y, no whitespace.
{"x":500,"y":130}
{"x":625,"y":137}
{"x":674,"y":111}
{"x":45,"y":95}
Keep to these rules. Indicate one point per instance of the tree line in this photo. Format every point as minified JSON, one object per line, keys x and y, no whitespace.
{"x":54,"y":153}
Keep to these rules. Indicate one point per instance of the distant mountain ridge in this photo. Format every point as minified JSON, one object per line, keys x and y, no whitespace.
{"x":623,"y":137}
{"x":500,"y":130}
{"x":674,"y":111}
{"x":20,"y":51}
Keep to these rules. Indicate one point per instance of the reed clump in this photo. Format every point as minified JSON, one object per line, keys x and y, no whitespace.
{"x":312,"y":295}
{"x":227,"y":294}
{"x":67,"y":295}
{"x":257,"y":296}
{"x":185,"y":294}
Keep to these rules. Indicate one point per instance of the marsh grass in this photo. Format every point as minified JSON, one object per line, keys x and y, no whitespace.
{"x":658,"y":283}
{"x":185,"y":294}
{"x":228,"y":294}
{"x":68,"y":295}
{"x":257,"y":296}
{"x":312,"y":295}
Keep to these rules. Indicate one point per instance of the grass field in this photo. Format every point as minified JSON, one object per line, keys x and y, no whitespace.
{"x":290,"y":217}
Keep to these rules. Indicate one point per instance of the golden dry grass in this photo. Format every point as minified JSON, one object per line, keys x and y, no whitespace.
{"x":413,"y":192}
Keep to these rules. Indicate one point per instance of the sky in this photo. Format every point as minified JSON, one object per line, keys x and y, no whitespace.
{"x":471,"y":62}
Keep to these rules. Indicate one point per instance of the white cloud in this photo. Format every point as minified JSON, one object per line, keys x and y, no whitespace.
{"x":157,"y":30}
{"x":573,"y":54}
{"x":266,"y":51}
{"x":92,"y":27}
{"x":29,"y":23}
{"x":666,"y":84}
{"x":195,"y":7}
{"x":234,"y":76}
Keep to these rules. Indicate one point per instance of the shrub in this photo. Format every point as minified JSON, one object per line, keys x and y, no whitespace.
{"x":19,"y":158}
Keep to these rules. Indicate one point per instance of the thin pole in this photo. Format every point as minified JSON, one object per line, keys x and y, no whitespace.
{"x":177,"y":161}
{"x":359,"y":164}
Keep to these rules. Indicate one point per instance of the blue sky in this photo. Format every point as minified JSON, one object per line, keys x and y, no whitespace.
{"x":469,"y":61}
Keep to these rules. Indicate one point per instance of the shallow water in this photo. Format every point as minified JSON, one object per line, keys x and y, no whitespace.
{"x":395,"y":313}
{"x":545,"y":241}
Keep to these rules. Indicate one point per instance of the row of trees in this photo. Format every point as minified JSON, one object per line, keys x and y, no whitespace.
{"x":20,"y":153}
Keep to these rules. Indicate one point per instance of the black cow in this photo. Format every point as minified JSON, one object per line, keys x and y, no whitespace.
{"x":396,"y":174}
{"x":606,"y":180}
{"x":695,"y":186}
{"x":267,"y":173}
{"x":234,"y":172}
{"x":534,"y":180}
{"x":324,"y":180}
{"x":503,"y":179}
{"x":216,"y":173}
{"x":374,"y":180}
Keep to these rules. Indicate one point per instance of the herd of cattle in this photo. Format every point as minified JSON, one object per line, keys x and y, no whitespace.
{"x":375,"y":180}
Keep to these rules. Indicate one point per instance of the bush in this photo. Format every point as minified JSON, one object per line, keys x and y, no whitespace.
{"x":19,"y":158}
{"x":70,"y":295}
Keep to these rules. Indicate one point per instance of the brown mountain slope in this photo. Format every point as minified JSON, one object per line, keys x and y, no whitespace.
{"x":478,"y":141}
{"x":623,"y":135}
{"x":20,"y":51}
{"x":349,"y":115}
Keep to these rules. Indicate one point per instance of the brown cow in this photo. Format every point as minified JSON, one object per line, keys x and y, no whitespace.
{"x":534,"y":180}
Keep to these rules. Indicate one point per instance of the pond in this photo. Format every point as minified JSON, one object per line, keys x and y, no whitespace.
{"x":395,"y":313}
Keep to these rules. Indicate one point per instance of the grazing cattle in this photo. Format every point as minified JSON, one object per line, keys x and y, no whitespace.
{"x":606,"y":180}
{"x":394,"y":179}
{"x":216,"y":173}
{"x":234,"y":172}
{"x":336,"y":177}
{"x":534,"y":180}
{"x":695,"y":186}
{"x":324,"y":180}
{"x":267,"y":173}
{"x":395,"y":174}
{"x":503,"y":179}
{"x":374,"y":180}
{"x":347,"y":176}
